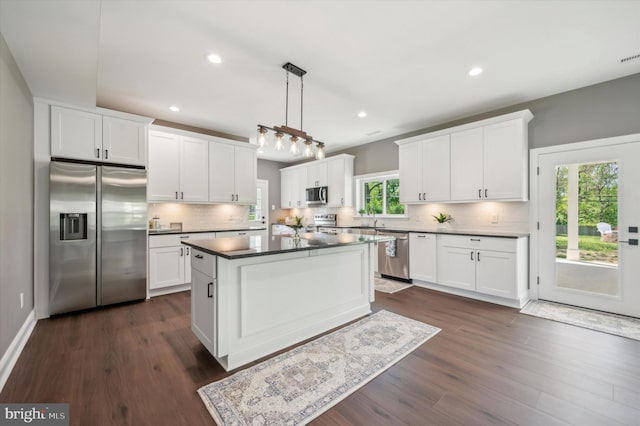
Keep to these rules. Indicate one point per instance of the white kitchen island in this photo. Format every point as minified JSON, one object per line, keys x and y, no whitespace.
{"x":253,"y":296}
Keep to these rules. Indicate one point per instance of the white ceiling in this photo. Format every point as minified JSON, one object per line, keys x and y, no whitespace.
{"x":404,"y":62}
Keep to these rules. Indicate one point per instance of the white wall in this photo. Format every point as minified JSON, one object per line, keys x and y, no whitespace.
{"x":16,"y":199}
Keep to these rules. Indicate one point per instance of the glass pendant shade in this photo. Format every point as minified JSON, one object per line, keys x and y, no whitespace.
{"x":262,"y":137}
{"x":279,"y":144}
{"x":294,"y":145}
{"x":308,"y":151}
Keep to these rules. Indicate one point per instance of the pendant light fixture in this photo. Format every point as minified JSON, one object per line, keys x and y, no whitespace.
{"x":296,"y":137}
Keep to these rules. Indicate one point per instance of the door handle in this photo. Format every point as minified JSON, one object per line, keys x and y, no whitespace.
{"x":181,"y":195}
{"x":106,"y":154}
{"x":210,"y":290}
{"x":199,"y":256}
{"x":478,"y":256}
{"x":420,"y":196}
{"x":181,"y":251}
{"x":176,"y":195}
{"x":480,"y":193}
{"x":424,"y":196}
{"x":97,"y":152}
{"x":485,"y":193}
{"x":471,"y":255}
{"x":421,"y":236}
{"x":187,"y":251}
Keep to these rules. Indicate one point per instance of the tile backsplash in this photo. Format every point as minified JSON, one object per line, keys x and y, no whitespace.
{"x":199,"y":216}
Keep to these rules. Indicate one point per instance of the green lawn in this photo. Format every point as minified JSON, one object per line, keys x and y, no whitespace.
{"x":591,"y":248}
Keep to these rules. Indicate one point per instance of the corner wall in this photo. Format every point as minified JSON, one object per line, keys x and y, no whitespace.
{"x":16,"y":199}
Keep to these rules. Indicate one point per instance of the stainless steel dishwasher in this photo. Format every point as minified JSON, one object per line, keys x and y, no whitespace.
{"x":393,"y":256}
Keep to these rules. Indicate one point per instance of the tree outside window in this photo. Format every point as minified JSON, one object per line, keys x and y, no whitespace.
{"x":381,"y":195}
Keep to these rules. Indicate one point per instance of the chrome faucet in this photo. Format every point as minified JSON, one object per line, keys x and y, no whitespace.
{"x":375,"y":223}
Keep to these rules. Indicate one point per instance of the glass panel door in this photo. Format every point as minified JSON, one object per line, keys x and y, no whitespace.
{"x":589,"y":209}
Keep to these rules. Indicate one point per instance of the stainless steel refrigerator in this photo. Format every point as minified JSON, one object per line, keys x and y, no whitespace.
{"x":98,"y":231}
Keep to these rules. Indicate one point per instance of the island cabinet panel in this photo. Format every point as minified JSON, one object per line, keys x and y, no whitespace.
{"x":259,"y":305}
{"x":203,"y":298}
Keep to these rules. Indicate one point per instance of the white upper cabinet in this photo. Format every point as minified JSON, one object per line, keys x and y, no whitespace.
{"x":484,"y":160}
{"x":76,"y":134}
{"x":163,"y":175}
{"x":336,"y":173}
{"x":340,"y":181}
{"x":317,"y":175}
{"x":424,"y":170}
{"x":232,"y":173}
{"x":124,"y":141}
{"x":194,"y":170}
{"x":467,"y":165}
{"x":84,"y":135}
{"x":178,"y":168}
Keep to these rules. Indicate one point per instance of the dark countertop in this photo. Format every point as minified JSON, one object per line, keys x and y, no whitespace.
{"x":250,"y":246}
{"x":202,"y":230}
{"x":473,"y":232}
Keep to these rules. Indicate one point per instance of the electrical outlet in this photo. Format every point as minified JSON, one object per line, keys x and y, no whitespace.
{"x":21,"y":300}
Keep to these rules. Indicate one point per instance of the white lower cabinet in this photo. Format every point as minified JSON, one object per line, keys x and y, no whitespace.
{"x":489,"y":265}
{"x":249,"y":232}
{"x":170,"y":260}
{"x":203,"y":298}
{"x":422,"y":257}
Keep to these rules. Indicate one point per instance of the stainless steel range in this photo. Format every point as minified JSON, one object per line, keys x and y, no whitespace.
{"x":325,"y":220}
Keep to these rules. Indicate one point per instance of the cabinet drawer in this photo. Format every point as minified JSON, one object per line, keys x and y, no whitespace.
{"x":479,"y":243}
{"x":203,"y":262}
{"x":248,"y":232}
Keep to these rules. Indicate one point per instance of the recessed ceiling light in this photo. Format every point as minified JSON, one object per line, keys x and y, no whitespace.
{"x":362,"y":114}
{"x":214,"y":58}
{"x":174,"y":108}
{"x":475,"y":71}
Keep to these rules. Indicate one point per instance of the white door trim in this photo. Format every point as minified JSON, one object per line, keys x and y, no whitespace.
{"x":534,"y":159}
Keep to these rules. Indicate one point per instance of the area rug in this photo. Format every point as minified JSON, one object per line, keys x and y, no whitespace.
{"x":390,"y":286}
{"x":595,"y":320}
{"x":295,"y":387}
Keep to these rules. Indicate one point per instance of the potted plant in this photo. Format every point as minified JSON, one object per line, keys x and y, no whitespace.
{"x":442,"y":219}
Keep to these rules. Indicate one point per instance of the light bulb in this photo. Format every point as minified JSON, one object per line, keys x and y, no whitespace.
{"x":279,"y":144}
{"x":293,"y":148}
{"x":262,"y":137}
{"x":308,"y":152}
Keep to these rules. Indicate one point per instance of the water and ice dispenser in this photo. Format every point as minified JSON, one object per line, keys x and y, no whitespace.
{"x":73,"y":226}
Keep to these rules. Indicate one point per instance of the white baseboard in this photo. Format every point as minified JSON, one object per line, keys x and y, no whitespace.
{"x":12,"y":354}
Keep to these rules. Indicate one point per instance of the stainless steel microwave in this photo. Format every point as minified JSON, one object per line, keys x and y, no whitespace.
{"x":317,"y":196}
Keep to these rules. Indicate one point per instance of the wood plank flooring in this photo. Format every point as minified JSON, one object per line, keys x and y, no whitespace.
{"x":139,"y":364}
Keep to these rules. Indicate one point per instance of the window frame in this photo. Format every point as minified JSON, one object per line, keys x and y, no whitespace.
{"x":359,"y":182}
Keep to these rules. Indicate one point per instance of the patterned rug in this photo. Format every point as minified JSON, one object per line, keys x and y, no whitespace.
{"x":595,"y":320}
{"x":299,"y":385}
{"x":390,"y":286}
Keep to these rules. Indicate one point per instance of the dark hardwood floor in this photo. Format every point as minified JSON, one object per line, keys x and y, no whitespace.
{"x":140,"y":364}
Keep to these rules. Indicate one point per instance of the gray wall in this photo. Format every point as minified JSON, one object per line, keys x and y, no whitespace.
{"x":16,"y":198}
{"x":270,"y":170}
{"x":599,"y":111}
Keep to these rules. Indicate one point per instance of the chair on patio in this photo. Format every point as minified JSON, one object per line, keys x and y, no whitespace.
{"x":606,"y":233}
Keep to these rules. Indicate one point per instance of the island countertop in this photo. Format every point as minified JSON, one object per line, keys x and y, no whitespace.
{"x":250,"y":246}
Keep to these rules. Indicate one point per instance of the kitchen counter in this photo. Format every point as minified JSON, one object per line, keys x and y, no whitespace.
{"x":165,"y":231}
{"x":249,"y":246}
{"x":473,"y":232}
